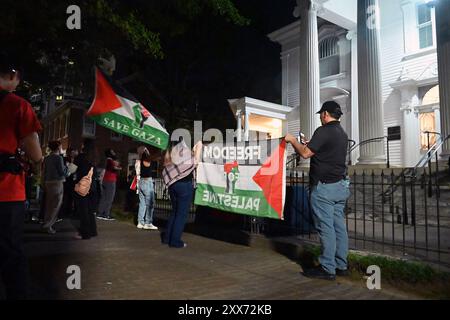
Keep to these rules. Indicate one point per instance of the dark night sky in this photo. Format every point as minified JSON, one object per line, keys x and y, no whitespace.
{"x":235,"y":62}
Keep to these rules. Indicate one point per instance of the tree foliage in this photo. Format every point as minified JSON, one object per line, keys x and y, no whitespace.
{"x":37,"y":29}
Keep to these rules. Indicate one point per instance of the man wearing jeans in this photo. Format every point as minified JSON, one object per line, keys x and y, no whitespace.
{"x":329,"y":190}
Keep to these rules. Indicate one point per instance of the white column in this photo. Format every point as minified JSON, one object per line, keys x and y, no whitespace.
{"x":239,"y":126}
{"x":354,"y":134}
{"x":309,"y":65}
{"x":247,"y":126}
{"x":443,"y":52}
{"x":369,"y":82}
{"x":410,"y":128}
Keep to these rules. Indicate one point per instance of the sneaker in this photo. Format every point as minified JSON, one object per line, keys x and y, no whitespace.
{"x":59,"y":220}
{"x":319,"y":273}
{"x":342,"y":273}
{"x":140,"y":226}
{"x":109,"y":219}
{"x":101,"y":218}
{"x":150,"y":227}
{"x":51,"y":230}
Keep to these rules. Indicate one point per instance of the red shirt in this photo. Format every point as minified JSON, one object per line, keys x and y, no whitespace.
{"x":17,"y":121}
{"x":110,"y":172}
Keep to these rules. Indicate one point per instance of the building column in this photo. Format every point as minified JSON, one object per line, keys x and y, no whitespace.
{"x":443,"y":53}
{"x":369,"y":83}
{"x":411,"y":128}
{"x":354,"y":134}
{"x":309,"y":65}
{"x":247,"y":126}
{"x":239,"y":126}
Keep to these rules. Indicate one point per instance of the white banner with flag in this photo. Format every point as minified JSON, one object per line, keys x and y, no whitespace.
{"x":244,"y":178}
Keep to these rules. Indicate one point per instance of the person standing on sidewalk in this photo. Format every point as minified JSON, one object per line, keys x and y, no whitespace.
{"x":108,"y":185}
{"x":67,"y":206}
{"x":19,"y":129}
{"x":146,"y":171}
{"x":55,"y":174}
{"x":86,"y":206}
{"x":179,"y":176}
{"x":329,"y":190}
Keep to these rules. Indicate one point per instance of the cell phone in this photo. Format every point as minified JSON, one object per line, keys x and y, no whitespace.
{"x":301,"y":137}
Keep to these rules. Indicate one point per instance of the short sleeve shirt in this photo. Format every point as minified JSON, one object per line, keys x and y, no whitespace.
{"x":330,"y":145}
{"x":110,"y":172}
{"x":17,"y":121}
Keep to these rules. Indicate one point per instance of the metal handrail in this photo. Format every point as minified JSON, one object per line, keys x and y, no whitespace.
{"x":351,"y":144}
{"x":423,"y":162}
{"x":362,"y":143}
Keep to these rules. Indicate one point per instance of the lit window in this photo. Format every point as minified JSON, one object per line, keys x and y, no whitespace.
{"x":425,"y":26}
{"x":427,"y":124}
{"x":329,"y":57}
{"x":88,"y":127}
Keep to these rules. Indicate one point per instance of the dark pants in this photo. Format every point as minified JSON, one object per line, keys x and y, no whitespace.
{"x":181,"y":194}
{"x":13,"y":263}
{"x":106,"y":199}
{"x":67,"y":205}
{"x":86,"y":207}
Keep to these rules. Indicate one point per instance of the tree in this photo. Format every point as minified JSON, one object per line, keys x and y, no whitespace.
{"x":37,"y":30}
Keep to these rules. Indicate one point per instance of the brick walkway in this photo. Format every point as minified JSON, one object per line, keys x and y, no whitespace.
{"x":125,"y":263}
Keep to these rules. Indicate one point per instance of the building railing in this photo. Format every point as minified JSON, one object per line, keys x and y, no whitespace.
{"x":373,"y":140}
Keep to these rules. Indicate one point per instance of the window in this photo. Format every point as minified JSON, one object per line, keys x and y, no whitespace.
{"x":425,"y":25}
{"x":427,"y":123}
{"x":116,"y":136}
{"x":329,"y":57}
{"x":88,"y":127}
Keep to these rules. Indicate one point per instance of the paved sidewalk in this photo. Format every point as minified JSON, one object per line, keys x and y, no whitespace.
{"x":126,"y":263}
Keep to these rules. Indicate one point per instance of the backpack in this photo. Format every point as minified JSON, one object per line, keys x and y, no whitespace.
{"x":84,"y":186}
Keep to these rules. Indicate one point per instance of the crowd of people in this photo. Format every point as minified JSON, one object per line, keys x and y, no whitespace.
{"x":79,"y":183}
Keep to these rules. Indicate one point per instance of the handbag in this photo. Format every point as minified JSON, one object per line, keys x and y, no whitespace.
{"x":83,"y":187}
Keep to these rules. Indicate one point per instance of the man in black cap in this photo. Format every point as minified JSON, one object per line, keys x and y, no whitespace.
{"x":329,"y":190}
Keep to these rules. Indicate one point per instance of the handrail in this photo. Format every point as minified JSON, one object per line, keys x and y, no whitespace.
{"x":351,"y":144}
{"x":367,"y":142}
{"x":430,"y":153}
{"x":362,"y":143}
{"x":412,"y":172}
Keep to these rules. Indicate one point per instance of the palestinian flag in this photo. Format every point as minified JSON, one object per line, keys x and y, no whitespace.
{"x":244,"y":178}
{"x":118,"y":111}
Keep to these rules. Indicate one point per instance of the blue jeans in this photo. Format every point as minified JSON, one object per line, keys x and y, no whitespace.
{"x":328,"y":203}
{"x":146,"y":201}
{"x":181,"y":194}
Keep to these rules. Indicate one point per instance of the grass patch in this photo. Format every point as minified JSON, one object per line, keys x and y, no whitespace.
{"x":121,"y":215}
{"x":408,"y":276}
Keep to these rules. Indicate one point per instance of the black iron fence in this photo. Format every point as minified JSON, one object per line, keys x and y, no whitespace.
{"x":387,"y":212}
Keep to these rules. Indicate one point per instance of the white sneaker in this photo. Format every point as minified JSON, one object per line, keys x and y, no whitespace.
{"x":150,"y":227}
{"x":140,"y":226}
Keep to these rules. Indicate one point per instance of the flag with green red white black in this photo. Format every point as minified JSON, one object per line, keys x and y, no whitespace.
{"x":117,"y":110}
{"x":244,"y":178}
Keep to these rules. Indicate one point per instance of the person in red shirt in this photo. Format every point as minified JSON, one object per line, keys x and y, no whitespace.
{"x":108,"y":185}
{"x":18,"y":129}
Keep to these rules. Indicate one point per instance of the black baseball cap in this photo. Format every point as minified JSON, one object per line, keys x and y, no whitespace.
{"x":331,"y":107}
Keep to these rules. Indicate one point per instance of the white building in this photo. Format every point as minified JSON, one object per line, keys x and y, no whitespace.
{"x":378,"y":59}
